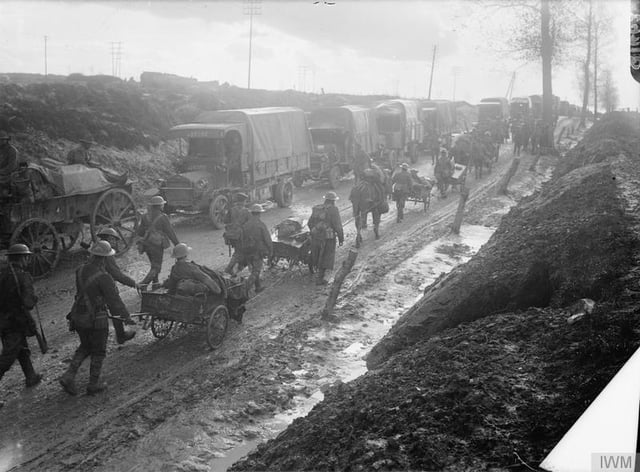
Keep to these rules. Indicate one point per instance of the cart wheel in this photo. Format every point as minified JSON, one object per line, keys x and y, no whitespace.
{"x":284,"y":194}
{"x":43,"y":240}
{"x":334,"y":177}
{"x":115,"y":208}
{"x":160,"y":328}
{"x":218,"y":210}
{"x":217,"y":326}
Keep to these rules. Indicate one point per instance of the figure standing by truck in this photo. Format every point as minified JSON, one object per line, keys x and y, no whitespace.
{"x":234,"y":220}
{"x":96,"y":296}
{"x":256,"y":245}
{"x":155,"y":231}
{"x":17,"y":297}
{"x":402,"y":186}
{"x":8,"y":163}
{"x":325,"y":225}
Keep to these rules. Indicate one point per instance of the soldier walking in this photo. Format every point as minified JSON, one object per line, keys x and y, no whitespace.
{"x":235,"y":219}
{"x":8,"y":163}
{"x":17,"y":297}
{"x":325,"y":225}
{"x":80,"y":154}
{"x":402,"y":186}
{"x":256,"y":245}
{"x":155,"y":232}
{"x":96,"y":296}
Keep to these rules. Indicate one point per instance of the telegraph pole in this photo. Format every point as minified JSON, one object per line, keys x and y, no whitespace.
{"x":433,"y":63}
{"x":116,"y":55}
{"x":456,"y":71}
{"x":251,"y":8}
{"x":45,"y":56}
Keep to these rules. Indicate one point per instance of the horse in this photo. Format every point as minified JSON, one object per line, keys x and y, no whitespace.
{"x":367,"y":197}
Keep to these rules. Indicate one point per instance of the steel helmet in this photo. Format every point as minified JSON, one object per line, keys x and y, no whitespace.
{"x":180,"y":250}
{"x":101,"y":249}
{"x":256,"y":208}
{"x":19,"y":250}
{"x":157,"y":200}
{"x":331,"y":196}
{"x":404,"y":165}
{"x":444,"y":152}
{"x":108,"y":231}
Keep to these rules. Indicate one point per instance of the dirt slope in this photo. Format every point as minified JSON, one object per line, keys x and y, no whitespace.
{"x":492,"y":392}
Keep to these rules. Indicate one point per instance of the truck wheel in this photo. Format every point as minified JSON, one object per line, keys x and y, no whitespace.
{"x":334,"y":176}
{"x":284,"y":194}
{"x":218,"y":210}
{"x":298,"y":179}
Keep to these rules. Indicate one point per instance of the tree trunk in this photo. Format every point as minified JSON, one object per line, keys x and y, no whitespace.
{"x":595,"y":70}
{"x":457,"y":222}
{"x":587,"y":68}
{"x":547,"y":55}
{"x":346,"y":267}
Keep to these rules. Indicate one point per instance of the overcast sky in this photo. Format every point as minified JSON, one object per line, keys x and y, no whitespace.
{"x":352,"y":46}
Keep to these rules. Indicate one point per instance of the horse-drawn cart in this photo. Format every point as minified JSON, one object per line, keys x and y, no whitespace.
{"x":50,"y":224}
{"x":203,"y":309}
{"x":421,"y":193}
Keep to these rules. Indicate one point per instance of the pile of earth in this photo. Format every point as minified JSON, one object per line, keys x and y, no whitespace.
{"x":473,"y":377}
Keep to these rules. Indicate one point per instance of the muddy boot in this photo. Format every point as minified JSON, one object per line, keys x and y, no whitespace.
{"x":31,"y":377}
{"x":95,"y":384}
{"x":68,"y":378}
{"x":122,"y":335}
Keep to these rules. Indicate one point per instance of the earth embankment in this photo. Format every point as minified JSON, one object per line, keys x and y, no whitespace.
{"x":485,"y":372}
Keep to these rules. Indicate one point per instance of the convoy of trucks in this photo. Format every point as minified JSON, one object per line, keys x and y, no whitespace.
{"x":400,"y":130}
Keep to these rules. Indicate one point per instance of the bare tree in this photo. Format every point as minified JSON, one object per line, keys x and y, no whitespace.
{"x":587,"y":66}
{"x":608,"y":92}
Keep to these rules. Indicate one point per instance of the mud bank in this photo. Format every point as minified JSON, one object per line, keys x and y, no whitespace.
{"x":474,"y":376}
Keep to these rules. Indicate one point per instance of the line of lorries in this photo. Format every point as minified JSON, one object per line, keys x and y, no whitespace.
{"x":266,"y":152}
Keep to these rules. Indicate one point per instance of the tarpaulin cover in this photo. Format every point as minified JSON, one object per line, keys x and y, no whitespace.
{"x":78,"y":179}
{"x":279,"y":139}
{"x":359,"y":121}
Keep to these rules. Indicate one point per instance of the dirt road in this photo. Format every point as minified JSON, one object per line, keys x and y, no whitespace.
{"x":175,"y":405}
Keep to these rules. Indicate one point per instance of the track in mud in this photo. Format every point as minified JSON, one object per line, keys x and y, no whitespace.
{"x":173,"y":404}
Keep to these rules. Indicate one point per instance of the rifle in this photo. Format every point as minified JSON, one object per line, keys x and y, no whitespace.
{"x":42,"y":339}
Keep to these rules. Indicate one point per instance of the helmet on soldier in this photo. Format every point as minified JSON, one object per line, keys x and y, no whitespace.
{"x":108,"y":231}
{"x":180,"y":250}
{"x":331,"y":196}
{"x":101,"y":249}
{"x":157,"y":200}
{"x":19,"y":250}
{"x":256,"y":208}
{"x":404,"y":165}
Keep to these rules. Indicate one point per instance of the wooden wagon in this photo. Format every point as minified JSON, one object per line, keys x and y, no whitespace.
{"x":421,"y":192}
{"x":291,"y":244}
{"x":50,"y":226}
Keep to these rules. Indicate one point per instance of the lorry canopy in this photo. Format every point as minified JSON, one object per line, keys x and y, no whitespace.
{"x":406,"y":108}
{"x":274,"y":132}
{"x":200,"y":130}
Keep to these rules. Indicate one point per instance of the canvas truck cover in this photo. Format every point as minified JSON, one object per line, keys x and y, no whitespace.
{"x":359,"y":121}
{"x":278,"y":139}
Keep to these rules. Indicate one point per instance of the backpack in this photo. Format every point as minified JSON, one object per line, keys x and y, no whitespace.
{"x":320,"y":227}
{"x":156,"y":237}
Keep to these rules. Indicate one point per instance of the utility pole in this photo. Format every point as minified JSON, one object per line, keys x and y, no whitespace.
{"x":456,"y":71}
{"x":595,"y":69}
{"x":45,"y":56}
{"x":511,"y":85}
{"x":116,"y":55}
{"x":433,"y":63}
{"x":251,"y":8}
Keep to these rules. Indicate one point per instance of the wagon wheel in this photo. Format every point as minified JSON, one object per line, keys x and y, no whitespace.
{"x":160,"y":327}
{"x":284,"y":194}
{"x":43,"y":240}
{"x":115,"y":208}
{"x":217,"y":326}
{"x":218,"y":211}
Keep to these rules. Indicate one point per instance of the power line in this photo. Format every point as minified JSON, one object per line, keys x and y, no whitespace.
{"x":251,"y":8}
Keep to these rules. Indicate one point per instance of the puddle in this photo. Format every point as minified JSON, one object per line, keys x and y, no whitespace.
{"x":372,"y":315}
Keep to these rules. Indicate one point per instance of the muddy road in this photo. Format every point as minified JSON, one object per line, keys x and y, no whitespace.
{"x":173,"y":404}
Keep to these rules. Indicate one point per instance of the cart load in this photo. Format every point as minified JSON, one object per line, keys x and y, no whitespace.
{"x":291,"y":244}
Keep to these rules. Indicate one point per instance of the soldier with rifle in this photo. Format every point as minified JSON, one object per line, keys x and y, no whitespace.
{"x":17,"y":297}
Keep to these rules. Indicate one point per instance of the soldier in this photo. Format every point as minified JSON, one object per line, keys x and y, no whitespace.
{"x":325,"y":225}
{"x":256,"y":245}
{"x":111,"y":266}
{"x":401,"y":189}
{"x":96,"y":293}
{"x":17,"y":297}
{"x":155,"y":232}
{"x":187,"y":278}
{"x":235,"y":219}
{"x":80,"y":154}
{"x":8,"y":163}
